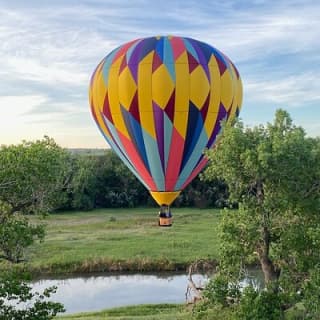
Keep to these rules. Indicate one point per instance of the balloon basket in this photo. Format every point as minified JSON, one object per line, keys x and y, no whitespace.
{"x":165,"y":216}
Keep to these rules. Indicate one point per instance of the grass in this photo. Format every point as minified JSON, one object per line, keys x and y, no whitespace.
{"x":143,"y":312}
{"x":149,"y":312}
{"x":124,"y":240}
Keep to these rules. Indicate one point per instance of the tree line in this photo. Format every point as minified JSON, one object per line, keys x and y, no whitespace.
{"x":101,"y":180}
{"x":43,"y":176}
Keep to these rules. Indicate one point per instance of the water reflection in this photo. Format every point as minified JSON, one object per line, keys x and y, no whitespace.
{"x":104,"y":291}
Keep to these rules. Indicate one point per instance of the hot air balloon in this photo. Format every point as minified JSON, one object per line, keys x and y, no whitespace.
{"x":159,"y":103}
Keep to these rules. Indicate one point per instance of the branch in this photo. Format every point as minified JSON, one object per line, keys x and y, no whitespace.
{"x":4,"y":185}
{"x":314,"y":188}
{"x":194,"y":292}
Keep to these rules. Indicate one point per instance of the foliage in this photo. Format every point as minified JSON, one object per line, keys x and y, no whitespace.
{"x":17,"y":234}
{"x":311,"y":294}
{"x":19,"y":302}
{"x":221,"y":291}
{"x":203,"y":194}
{"x":273,"y":173}
{"x":101,"y":180}
{"x":83,"y":189}
{"x":262,"y":305}
{"x":32,"y":175}
{"x":104,"y":181}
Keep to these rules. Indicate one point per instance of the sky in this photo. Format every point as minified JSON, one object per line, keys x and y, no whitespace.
{"x":49,"y":50}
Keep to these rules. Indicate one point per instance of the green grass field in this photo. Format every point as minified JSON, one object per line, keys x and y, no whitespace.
{"x":124,"y":240}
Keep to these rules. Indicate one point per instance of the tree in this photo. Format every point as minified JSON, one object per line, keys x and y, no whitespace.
{"x":83,"y":188}
{"x":16,"y":234}
{"x":32,"y":175}
{"x":202,"y":194}
{"x":102,"y":180}
{"x":15,"y":291}
{"x":273,"y":173}
{"x":116,"y":184}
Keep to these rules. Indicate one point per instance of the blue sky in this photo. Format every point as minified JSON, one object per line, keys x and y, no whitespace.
{"x":49,"y":49}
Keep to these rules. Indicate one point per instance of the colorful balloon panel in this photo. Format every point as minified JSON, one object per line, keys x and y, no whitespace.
{"x":159,"y":102}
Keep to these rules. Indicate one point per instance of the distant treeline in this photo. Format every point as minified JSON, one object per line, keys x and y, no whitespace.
{"x":100,"y":180}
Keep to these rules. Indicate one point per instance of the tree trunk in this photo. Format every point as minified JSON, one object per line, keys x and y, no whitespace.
{"x":270,"y":272}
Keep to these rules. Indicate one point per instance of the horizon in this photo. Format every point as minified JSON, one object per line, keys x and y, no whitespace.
{"x":49,"y":51}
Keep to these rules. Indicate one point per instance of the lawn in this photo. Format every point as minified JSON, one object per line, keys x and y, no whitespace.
{"x":124,"y":240}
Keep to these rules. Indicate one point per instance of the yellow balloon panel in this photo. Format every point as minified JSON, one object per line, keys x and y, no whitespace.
{"x":199,"y":87}
{"x":162,"y":86}
{"x":215,"y":90}
{"x":97,"y":98}
{"x":145,"y":95}
{"x":180,"y":122}
{"x":127,"y":88}
{"x":227,"y":92}
{"x":182,"y":95}
{"x":182,"y":83}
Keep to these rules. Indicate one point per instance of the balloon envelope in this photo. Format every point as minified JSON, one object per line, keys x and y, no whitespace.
{"x":159,"y":102}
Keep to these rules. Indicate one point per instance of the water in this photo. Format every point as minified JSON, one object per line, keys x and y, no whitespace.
{"x":97,"y":292}
{"x":94,"y":293}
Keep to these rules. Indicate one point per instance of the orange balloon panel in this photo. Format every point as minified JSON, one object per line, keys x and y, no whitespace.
{"x":159,"y":102}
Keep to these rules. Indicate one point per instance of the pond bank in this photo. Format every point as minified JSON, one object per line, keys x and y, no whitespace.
{"x":107,"y":266}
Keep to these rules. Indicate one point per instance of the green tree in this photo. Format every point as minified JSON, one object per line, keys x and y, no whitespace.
{"x":273,"y":173}
{"x":83,"y":188}
{"x":15,"y":291}
{"x":116,"y":184}
{"x":32,"y":175}
{"x":16,"y":234}
{"x":203,"y":194}
{"x":102,"y":180}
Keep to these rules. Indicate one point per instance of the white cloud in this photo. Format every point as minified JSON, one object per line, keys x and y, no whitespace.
{"x":292,"y":91}
{"x":54,"y":73}
{"x":13,"y":107}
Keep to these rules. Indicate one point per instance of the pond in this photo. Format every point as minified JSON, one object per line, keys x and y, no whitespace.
{"x":97,"y":292}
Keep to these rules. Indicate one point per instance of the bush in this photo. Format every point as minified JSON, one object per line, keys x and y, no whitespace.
{"x":221,"y":291}
{"x":16,"y":234}
{"x":311,"y":292}
{"x":262,"y":305}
